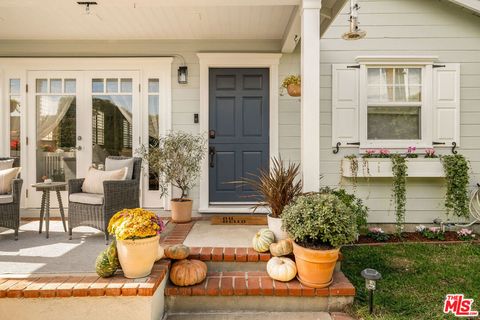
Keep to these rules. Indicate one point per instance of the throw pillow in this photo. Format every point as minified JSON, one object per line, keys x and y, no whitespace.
{"x":115,"y":164}
{"x":6,"y":177}
{"x":93,"y":182}
{"x":6,"y":164}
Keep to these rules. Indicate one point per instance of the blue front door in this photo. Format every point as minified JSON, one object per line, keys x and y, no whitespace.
{"x":239,"y":131}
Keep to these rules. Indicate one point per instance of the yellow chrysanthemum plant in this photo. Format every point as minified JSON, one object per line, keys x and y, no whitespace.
{"x":132,"y":224}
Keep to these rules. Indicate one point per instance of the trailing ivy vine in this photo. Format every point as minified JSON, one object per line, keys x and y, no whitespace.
{"x":353,"y":167}
{"x":399,"y":170}
{"x":456,"y":178}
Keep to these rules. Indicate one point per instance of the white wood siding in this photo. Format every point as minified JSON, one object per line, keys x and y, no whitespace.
{"x":407,"y":27}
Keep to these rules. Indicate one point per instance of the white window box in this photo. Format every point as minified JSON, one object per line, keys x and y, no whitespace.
{"x":378,"y":168}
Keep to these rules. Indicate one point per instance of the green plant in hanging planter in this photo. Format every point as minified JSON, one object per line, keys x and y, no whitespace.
{"x":399,"y":190}
{"x":456,"y":177}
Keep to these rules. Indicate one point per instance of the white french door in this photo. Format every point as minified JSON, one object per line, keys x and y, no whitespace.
{"x":77,"y":119}
{"x":56,"y":109}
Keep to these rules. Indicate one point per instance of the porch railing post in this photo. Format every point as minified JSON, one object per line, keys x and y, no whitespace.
{"x":310,"y":113}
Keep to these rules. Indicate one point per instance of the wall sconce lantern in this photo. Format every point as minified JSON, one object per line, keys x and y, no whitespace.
{"x":182,"y":75}
{"x":371,"y":276}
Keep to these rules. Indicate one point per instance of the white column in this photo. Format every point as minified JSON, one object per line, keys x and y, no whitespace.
{"x":310,"y":114}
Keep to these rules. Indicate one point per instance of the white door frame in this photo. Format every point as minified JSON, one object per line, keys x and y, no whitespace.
{"x":235,"y":60}
{"x":17,"y":68}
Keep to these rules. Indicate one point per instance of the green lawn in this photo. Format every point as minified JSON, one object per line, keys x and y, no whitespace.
{"x":416,"y":278}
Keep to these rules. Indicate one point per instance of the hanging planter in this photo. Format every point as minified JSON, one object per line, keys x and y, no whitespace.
{"x":294,"y":90}
{"x":293,"y":85}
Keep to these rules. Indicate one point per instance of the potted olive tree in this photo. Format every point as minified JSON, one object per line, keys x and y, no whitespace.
{"x":319,"y":224}
{"x":277,"y":187}
{"x":176,"y":158}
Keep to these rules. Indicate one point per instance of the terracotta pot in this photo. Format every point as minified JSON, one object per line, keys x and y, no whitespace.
{"x":137,"y":256}
{"x":275,"y":225}
{"x":315,"y":267}
{"x":181,"y":210}
{"x":294,"y":90}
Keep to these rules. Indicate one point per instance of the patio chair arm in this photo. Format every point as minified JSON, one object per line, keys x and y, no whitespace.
{"x":17,"y":190}
{"x":75,"y":185}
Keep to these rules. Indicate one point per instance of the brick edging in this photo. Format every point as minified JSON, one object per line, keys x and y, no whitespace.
{"x":83,"y":286}
{"x":410,"y":242}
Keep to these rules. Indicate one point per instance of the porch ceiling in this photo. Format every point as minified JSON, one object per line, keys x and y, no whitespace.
{"x":150,"y":19}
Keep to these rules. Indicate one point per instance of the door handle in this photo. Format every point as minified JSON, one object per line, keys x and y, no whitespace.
{"x":211,"y":155}
{"x":79,"y":148}
{"x":211,"y":134}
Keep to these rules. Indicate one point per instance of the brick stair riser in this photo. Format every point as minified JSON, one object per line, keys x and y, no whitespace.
{"x":219,"y":266}
{"x":191,"y":304}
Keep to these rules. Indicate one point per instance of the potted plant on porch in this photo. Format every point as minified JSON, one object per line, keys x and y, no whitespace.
{"x":277,"y":187}
{"x":319,"y":224}
{"x":137,"y":232}
{"x":177,"y":158}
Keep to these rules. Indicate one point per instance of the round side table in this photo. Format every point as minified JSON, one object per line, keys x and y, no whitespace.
{"x":45,"y":209}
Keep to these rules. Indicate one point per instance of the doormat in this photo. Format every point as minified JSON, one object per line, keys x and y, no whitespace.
{"x":239,"y":220}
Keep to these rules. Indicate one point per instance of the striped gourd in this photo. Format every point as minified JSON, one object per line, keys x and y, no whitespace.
{"x":262,"y":240}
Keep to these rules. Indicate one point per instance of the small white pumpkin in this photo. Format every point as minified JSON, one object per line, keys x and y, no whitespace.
{"x":281,"y":269}
{"x":161,"y":253}
{"x":262,"y":240}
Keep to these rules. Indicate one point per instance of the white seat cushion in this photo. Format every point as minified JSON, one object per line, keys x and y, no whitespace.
{"x":86,"y":198}
{"x":115,"y":164}
{"x":93,"y":182}
{"x":6,"y":198}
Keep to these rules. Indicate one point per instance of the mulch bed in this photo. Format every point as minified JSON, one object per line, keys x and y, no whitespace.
{"x":450,"y":236}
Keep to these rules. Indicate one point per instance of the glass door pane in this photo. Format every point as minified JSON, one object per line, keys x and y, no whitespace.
{"x":15,"y":113}
{"x":56,"y":129}
{"x":112,"y":118}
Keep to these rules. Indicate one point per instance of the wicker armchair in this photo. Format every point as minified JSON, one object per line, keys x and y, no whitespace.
{"x":118,"y":195}
{"x":10,"y":206}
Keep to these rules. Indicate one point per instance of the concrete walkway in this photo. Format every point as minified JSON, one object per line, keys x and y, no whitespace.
{"x":34,"y":254}
{"x":262,"y":316}
{"x":204,"y":234}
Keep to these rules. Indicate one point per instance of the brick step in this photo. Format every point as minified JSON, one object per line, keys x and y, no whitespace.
{"x":220,"y":259}
{"x":232,"y":254}
{"x":255,"y":291}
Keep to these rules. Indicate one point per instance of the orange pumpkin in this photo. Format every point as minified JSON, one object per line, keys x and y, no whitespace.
{"x":188,"y":272}
{"x":177,"y":252}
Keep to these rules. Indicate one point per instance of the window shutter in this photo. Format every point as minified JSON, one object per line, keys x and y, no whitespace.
{"x":345,"y":104}
{"x":446,"y":104}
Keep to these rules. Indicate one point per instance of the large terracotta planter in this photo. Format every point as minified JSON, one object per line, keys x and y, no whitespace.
{"x":294,"y":90}
{"x":181,"y":210}
{"x":315,"y":267}
{"x":137,"y":256}
{"x":275,"y":225}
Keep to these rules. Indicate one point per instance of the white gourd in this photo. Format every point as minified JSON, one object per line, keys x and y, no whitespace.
{"x":281,"y":269}
{"x":262,"y":240}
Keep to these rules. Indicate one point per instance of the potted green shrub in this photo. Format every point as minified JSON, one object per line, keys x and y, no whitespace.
{"x":293,"y":84}
{"x":319,"y":224}
{"x":176,"y":158}
{"x":277,"y":187}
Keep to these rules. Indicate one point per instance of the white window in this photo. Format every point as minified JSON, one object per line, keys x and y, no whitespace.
{"x":393,"y":108}
{"x":382,"y":103}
